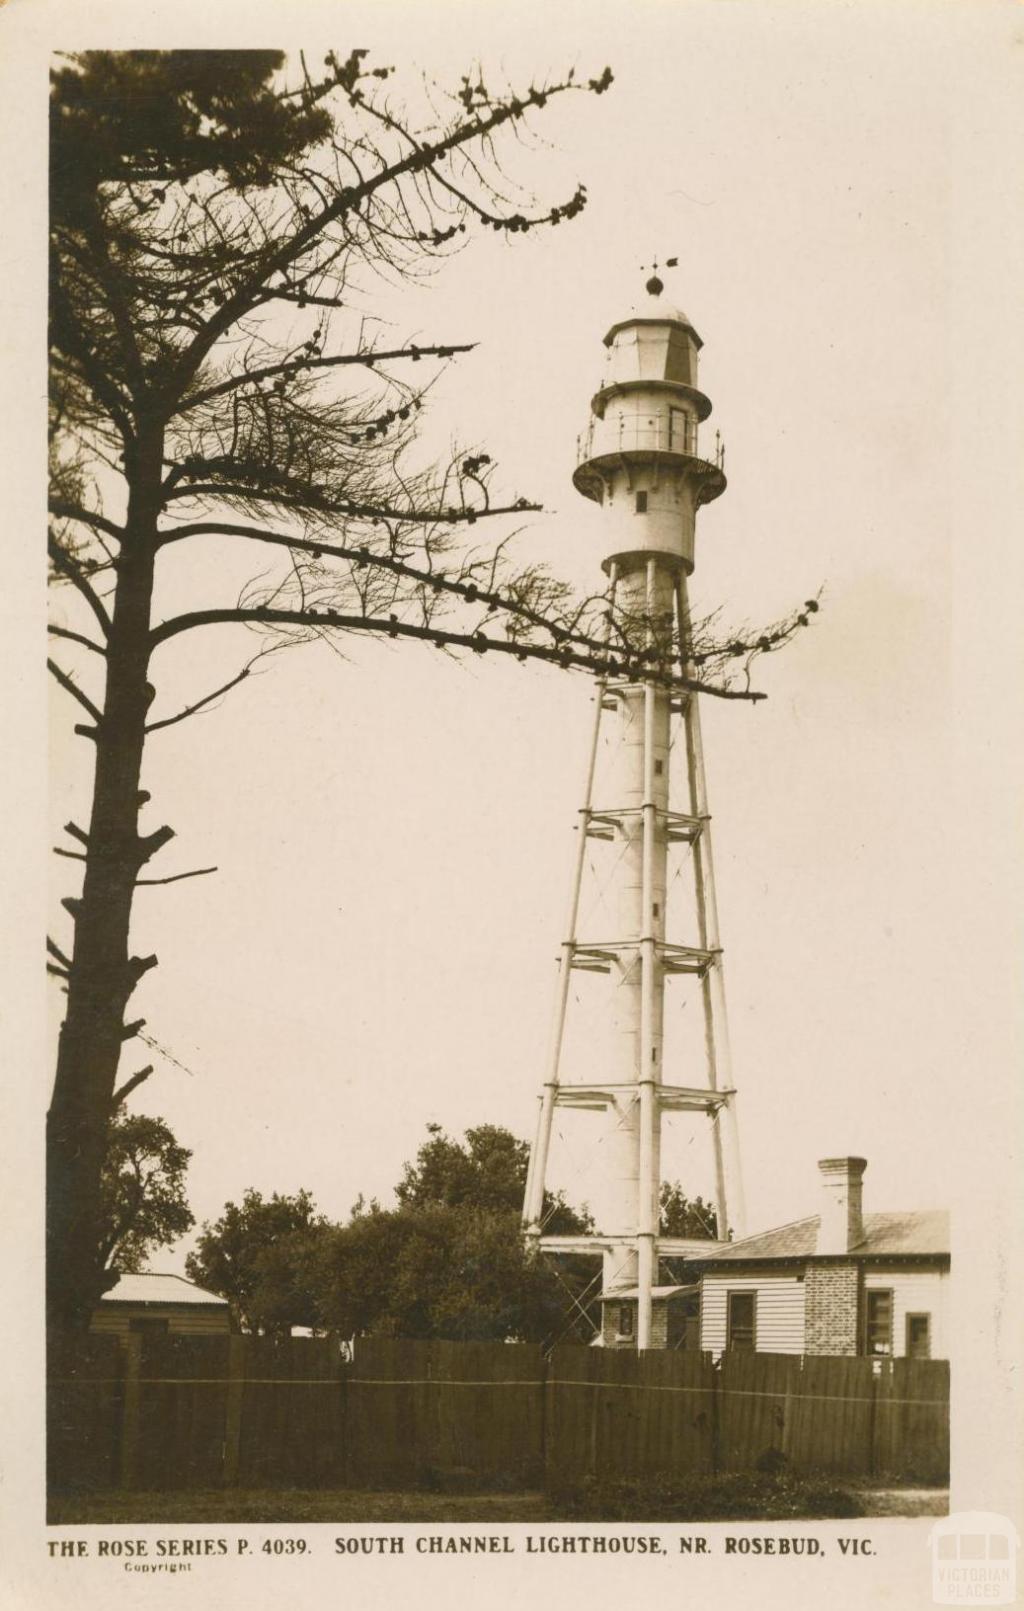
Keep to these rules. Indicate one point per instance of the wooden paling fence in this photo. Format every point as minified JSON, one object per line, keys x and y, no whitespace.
{"x":156,"y":1412}
{"x":421,"y":1411}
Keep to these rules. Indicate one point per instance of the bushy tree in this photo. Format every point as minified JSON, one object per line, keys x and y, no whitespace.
{"x":487,"y":1170}
{"x":142,"y":1193}
{"x":438,"y":1270}
{"x":449,"y":1261}
{"x":685,"y":1216}
{"x":249,"y":1255}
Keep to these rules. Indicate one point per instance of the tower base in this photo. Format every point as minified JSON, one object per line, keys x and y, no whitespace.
{"x":675,"y":1307}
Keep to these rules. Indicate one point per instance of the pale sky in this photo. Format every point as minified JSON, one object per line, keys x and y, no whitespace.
{"x":394,"y":831}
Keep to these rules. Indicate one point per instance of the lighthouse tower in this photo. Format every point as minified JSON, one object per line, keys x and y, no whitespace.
{"x":643,"y":461}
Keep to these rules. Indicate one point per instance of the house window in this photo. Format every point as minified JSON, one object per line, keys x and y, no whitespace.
{"x":625,"y":1326}
{"x":742,"y":1316}
{"x":919,"y":1339}
{"x":641,"y":503}
{"x":878,"y":1322}
{"x":149,"y":1325}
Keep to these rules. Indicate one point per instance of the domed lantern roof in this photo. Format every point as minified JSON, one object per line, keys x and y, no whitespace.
{"x":655,"y":342}
{"x":654,"y":308}
{"x":655,"y":346}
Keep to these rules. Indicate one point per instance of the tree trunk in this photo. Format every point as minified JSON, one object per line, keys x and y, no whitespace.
{"x":103,"y":974}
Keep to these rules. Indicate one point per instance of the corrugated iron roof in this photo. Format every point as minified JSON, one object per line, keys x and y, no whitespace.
{"x":920,"y":1231}
{"x":160,"y":1289}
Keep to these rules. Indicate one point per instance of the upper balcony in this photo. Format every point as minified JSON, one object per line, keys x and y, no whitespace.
{"x":671,"y":437}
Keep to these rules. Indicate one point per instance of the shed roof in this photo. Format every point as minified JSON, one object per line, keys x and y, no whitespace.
{"x":614,"y":1293}
{"x":917,"y":1232}
{"x":161,"y":1289}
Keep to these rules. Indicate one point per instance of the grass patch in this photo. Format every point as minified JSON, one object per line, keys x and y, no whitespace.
{"x":738,"y":1496}
{"x":208,"y":1507}
{"x":730,"y":1496}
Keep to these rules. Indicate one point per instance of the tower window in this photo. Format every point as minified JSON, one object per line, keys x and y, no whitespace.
{"x":659,"y":768}
{"x":641,"y":503}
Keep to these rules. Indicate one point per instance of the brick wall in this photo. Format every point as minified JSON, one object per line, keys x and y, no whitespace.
{"x":831,"y":1308}
{"x":610,"y":1324}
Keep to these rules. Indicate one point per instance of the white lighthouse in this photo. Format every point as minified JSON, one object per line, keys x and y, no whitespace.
{"x":643,"y":461}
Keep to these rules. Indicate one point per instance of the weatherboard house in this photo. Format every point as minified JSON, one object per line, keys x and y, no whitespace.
{"x":839,"y":1282}
{"x":161,"y":1305}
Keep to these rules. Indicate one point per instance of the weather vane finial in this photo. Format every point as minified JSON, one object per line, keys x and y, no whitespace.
{"x":655,"y":285}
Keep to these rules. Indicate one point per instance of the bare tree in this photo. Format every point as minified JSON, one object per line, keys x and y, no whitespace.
{"x":211,"y":218}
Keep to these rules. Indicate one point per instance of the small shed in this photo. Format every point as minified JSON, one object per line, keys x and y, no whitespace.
{"x":162,"y":1305}
{"x":675,"y":1317}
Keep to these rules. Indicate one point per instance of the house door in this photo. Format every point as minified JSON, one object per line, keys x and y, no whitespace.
{"x":919,"y":1342}
{"x":741,"y":1323}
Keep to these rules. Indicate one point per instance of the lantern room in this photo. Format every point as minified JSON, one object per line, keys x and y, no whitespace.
{"x":641,"y":457}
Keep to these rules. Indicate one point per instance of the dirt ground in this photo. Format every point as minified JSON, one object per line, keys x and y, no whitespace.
{"x":346,"y":1506}
{"x":906,"y":1501}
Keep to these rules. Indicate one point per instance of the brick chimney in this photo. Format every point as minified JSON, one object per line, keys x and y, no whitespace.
{"x":842,"y":1220}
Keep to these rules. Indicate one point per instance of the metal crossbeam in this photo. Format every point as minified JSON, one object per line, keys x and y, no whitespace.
{"x":598,"y":956}
{"x":680,"y":827}
{"x":598,"y":1094}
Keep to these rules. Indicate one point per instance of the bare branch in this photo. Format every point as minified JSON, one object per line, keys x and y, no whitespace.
{"x":466,"y":589}
{"x":73,"y":689}
{"x":87,"y":517}
{"x":294,"y":366}
{"x":305,"y":498}
{"x":207,"y":700}
{"x":151,"y":843}
{"x":55,"y":951}
{"x":562,"y":656}
{"x":200,"y":704}
{"x":76,"y":637}
{"x":129,"y":1086}
{"x":176,"y":878}
{"x":276,"y":261}
{"x":67,"y":566}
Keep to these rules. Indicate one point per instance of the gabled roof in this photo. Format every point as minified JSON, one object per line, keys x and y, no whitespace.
{"x":918,"y":1232}
{"x":161,"y":1289}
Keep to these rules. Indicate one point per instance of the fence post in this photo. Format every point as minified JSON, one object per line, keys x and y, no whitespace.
{"x":233,"y":1417}
{"x":786,"y":1440}
{"x":716,"y":1426}
{"x":130,"y":1428}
